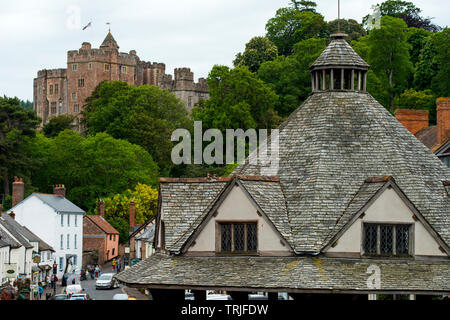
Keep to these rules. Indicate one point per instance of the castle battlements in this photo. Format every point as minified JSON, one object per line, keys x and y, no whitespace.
{"x":87,"y":67}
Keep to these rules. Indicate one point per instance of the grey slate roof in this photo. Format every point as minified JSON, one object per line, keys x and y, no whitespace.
{"x":15,"y":229}
{"x":287,"y":273}
{"x":3,"y":243}
{"x":59,"y":203}
{"x":148,"y":235}
{"x":331,"y":144}
{"x":183,"y":206}
{"x":43,"y":246}
{"x":339,"y":53}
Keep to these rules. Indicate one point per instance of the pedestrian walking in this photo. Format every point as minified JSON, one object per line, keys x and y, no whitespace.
{"x":113,"y":264}
{"x":73,"y":280}
{"x":91,"y":272}
{"x":41,"y":290}
{"x":97,"y":269}
{"x":64,"y":281}
{"x":118,"y":265}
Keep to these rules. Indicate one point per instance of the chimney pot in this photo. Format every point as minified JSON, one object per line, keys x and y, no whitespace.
{"x":101,"y":208}
{"x":59,"y":190}
{"x":412,"y":119}
{"x":18,"y":188}
{"x":12,"y":215}
{"x":132,"y":215}
{"x":443,"y":119}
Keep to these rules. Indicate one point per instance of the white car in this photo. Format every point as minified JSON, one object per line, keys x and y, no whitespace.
{"x":73,"y":288}
{"x":215,"y":296}
{"x":106,"y":281}
{"x":120,"y":296}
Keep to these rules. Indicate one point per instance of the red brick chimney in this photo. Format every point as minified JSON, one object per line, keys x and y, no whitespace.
{"x":18,"y":188}
{"x":59,"y":190}
{"x":412,"y":119}
{"x":101,"y":208}
{"x":12,"y":215}
{"x":132,"y":214}
{"x":443,"y":119}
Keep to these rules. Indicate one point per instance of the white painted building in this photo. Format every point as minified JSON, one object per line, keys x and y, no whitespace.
{"x":58,"y":222}
{"x":21,"y":250}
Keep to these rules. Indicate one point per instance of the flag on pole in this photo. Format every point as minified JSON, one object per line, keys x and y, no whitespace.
{"x":88,"y":25}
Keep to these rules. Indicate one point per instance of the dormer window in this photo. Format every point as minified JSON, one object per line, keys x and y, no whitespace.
{"x":237,"y":238}
{"x":386,"y":239}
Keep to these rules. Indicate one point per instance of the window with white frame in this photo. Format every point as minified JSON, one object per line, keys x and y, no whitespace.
{"x":75,"y":241}
{"x":68,"y":241}
{"x":61,"y":242}
{"x":62,"y":220}
{"x":387,"y":239}
{"x":74,"y":67}
{"x":68,"y":220}
{"x":76,"y":220}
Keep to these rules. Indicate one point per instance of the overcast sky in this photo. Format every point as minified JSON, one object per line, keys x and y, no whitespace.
{"x":180,"y":33}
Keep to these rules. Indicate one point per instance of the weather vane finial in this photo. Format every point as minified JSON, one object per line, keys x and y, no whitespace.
{"x":109,"y":26}
{"x":339,"y":16}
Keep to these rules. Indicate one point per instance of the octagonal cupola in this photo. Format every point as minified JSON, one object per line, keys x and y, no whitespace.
{"x":339,"y":68}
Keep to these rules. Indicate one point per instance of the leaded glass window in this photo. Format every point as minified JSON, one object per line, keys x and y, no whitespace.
{"x":238,"y":237}
{"x":384,"y":239}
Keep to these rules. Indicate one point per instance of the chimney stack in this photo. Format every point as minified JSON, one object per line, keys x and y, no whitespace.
{"x":101,"y":208}
{"x":412,"y":119}
{"x":60,"y":190}
{"x":443,"y":119}
{"x":18,"y":188}
{"x":12,"y":215}
{"x":132,"y":214}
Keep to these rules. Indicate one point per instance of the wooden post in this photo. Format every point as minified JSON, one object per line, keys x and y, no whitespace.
{"x":324,"y":80}
{"x":353,"y":80}
{"x":342,"y":79}
{"x":331,"y":79}
{"x":317,"y":86}
{"x":359,"y":80}
{"x":365,"y":82}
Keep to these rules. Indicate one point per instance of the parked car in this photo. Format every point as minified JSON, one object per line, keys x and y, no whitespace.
{"x":106,"y":281}
{"x":257,"y":296}
{"x":120,"y":296}
{"x":218,"y":296}
{"x":73,"y":289}
{"x":60,"y":297}
{"x":80,"y":296}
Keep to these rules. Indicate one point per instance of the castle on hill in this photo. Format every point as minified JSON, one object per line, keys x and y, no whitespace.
{"x":64,"y":91}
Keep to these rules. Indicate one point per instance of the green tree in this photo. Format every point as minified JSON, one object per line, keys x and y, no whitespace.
{"x":58,"y":124}
{"x":117,"y":208}
{"x":406,"y":11}
{"x":238,"y":99}
{"x":427,"y":66}
{"x":417,"y":38}
{"x":389,"y":56}
{"x":351,"y":27}
{"x":441,"y":82}
{"x":290,"y":26}
{"x":17,"y":125}
{"x":90,"y":167}
{"x":303,"y":5}
{"x":144,"y":115}
{"x":257,"y":51}
{"x":290,"y":77}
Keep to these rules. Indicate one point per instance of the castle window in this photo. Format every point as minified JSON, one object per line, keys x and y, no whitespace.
{"x":381,"y":239}
{"x":53,"y":107}
{"x":74,"y":67}
{"x":50,"y":89}
{"x":124,"y":69}
{"x":76,"y":108}
{"x":80,"y":83}
{"x":106,"y":67}
{"x":60,"y":107}
{"x":237,"y":238}
{"x":90,"y":66}
{"x":74,"y":96}
{"x":56,"y":88}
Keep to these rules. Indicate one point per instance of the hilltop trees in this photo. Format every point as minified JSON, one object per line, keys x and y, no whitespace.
{"x":257,"y":51}
{"x":144,"y":115}
{"x":17,"y":126}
